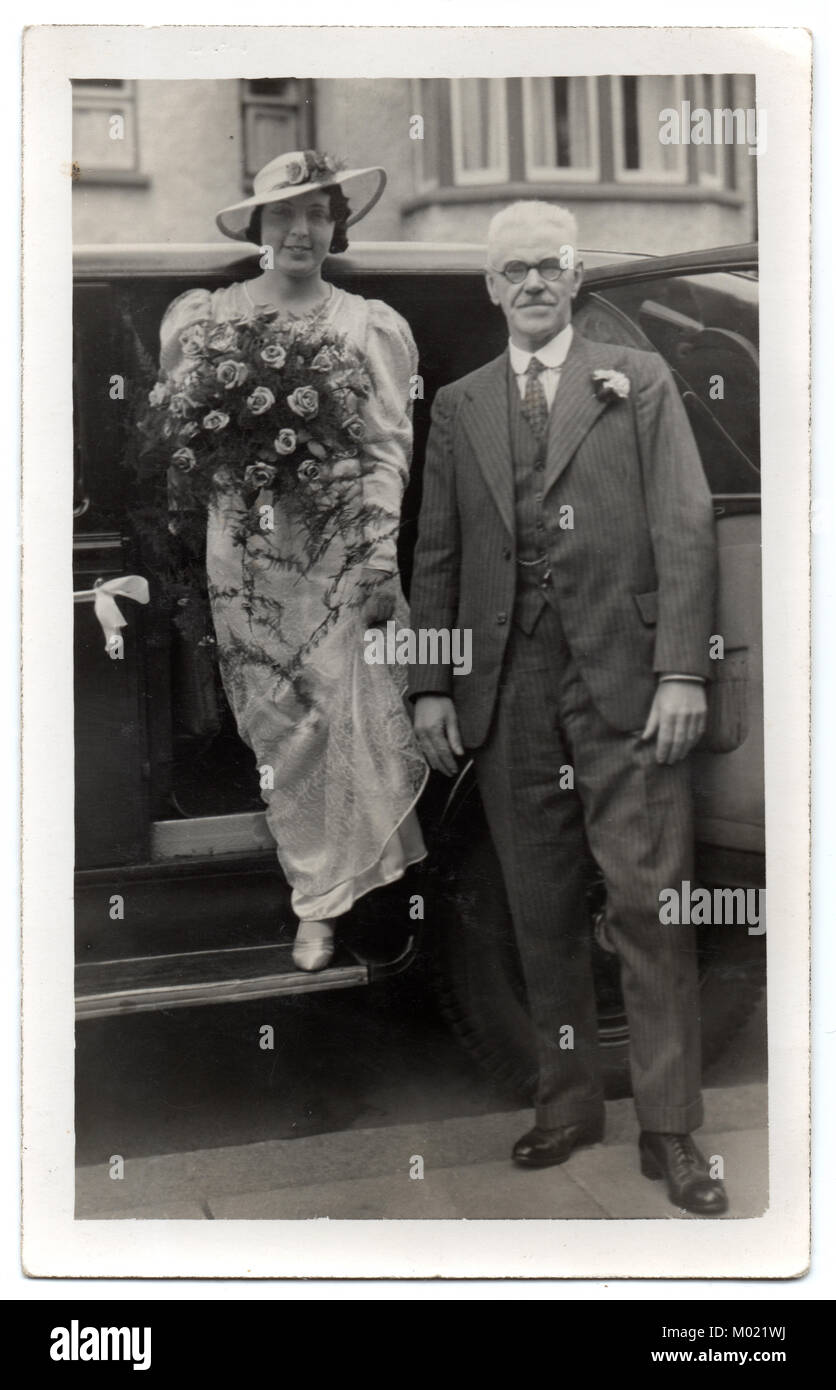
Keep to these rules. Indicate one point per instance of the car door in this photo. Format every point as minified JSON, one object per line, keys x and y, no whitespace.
{"x":180,"y":899}
{"x":699,"y":312}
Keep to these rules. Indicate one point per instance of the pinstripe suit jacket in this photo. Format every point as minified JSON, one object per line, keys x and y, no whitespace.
{"x":635,"y":574}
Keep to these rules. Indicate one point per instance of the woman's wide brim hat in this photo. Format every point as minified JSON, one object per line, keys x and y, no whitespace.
{"x":289,"y":175}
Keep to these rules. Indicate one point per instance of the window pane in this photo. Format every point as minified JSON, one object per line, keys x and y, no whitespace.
{"x":708,"y":156}
{"x":642,"y":99}
{"x":579,"y":142}
{"x":481,"y":124}
{"x":94,"y":147}
{"x":706,"y":328}
{"x":559,"y":130}
{"x":472,"y":125}
{"x":269,"y":131}
{"x":543,"y":135}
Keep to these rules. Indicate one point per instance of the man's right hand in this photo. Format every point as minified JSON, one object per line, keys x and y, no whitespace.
{"x":437,"y":732}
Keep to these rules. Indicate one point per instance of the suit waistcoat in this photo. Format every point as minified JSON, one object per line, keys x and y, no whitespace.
{"x":528,"y":455}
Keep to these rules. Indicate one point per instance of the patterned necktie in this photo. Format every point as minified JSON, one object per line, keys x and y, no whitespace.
{"x":534,"y":406}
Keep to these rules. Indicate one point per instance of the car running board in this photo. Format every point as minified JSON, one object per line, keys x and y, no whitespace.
{"x":201,"y":836}
{"x":141,"y":984}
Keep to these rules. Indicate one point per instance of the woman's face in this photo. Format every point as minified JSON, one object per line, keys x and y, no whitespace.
{"x":300,"y":231}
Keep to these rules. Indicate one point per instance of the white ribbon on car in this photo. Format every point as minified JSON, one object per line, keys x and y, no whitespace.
{"x":103,"y":597}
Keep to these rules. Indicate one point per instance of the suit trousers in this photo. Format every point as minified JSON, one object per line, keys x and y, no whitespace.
{"x":636,"y":818}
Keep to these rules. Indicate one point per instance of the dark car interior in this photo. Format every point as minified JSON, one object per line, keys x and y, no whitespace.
{"x":199,"y":767}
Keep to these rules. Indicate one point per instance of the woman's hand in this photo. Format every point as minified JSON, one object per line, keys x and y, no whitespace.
{"x":382,"y":591}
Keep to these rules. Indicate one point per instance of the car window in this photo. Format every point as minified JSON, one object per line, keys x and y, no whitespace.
{"x":705,"y":327}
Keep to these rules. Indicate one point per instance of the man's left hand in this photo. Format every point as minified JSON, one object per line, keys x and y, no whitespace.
{"x":677,"y":718}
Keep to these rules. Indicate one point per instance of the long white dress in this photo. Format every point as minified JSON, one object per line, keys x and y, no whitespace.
{"x":328,"y":729}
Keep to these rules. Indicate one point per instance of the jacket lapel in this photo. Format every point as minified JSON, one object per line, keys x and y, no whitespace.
{"x":576,"y":408}
{"x":485,"y":420}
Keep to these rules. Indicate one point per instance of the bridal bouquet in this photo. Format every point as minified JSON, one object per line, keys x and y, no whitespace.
{"x":262,"y":407}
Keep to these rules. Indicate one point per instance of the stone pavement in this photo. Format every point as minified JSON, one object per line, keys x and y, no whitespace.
{"x":365,"y":1173}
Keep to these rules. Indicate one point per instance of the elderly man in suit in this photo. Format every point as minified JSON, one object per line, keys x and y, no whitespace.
{"x":567,"y":522}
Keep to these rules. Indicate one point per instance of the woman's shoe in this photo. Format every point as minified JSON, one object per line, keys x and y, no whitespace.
{"x":313,"y":948}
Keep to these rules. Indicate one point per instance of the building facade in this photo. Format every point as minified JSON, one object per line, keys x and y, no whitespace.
{"x":154,"y":160}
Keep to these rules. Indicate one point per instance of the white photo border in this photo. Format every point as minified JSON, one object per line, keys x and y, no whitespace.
{"x":55,"y":1244}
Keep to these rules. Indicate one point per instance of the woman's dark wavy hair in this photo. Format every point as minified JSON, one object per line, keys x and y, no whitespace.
{"x":340,"y":210}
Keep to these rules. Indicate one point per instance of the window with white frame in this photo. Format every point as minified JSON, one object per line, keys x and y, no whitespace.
{"x":104,"y":127}
{"x":560,"y":122}
{"x":639,"y":154}
{"x":480,"y":130}
{"x":576,"y":131}
{"x":276,"y":117}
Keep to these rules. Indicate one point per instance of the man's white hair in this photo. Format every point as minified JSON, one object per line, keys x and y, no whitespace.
{"x":528,"y":212}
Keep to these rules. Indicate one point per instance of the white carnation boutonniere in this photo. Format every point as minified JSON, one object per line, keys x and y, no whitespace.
{"x":610,"y":385}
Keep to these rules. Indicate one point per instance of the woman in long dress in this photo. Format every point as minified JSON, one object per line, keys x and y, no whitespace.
{"x":339,"y":767}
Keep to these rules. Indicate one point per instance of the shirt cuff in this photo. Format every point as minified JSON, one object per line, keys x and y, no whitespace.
{"x":672,"y":676}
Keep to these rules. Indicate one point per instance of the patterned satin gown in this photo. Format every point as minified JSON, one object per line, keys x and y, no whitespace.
{"x":331,"y":731}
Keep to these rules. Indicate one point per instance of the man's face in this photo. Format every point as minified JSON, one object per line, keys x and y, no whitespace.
{"x":536,"y":309}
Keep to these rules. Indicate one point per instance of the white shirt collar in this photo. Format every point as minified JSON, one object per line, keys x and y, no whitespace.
{"x":553,"y":354}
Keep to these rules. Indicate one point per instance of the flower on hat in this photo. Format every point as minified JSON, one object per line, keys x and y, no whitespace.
{"x":307,"y":167}
{"x":295,"y":171}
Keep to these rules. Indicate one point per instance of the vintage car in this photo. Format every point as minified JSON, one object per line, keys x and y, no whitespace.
{"x":179,"y":898}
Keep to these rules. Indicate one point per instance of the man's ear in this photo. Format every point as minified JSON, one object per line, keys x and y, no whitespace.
{"x":491,"y":285}
{"x":578,"y":272}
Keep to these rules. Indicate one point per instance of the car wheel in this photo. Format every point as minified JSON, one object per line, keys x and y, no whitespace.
{"x":479,"y":984}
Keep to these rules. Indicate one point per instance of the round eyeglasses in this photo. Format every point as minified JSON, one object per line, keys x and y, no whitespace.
{"x":517,"y":271}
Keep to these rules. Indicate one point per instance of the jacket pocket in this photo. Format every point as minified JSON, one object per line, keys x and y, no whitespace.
{"x":648,"y":606}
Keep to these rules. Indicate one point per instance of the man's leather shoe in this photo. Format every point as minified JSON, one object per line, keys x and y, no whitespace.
{"x":541,"y":1148}
{"x":676,"y":1158}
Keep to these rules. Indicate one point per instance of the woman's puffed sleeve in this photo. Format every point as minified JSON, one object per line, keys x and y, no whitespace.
{"x":393,"y":357}
{"x":183,"y":313}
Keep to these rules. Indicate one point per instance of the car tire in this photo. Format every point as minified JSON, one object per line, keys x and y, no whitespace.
{"x":480,"y":991}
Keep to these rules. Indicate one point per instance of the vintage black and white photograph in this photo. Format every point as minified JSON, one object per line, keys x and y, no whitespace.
{"x":417,"y":671}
